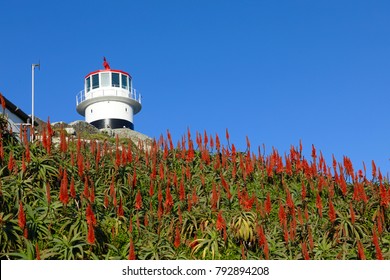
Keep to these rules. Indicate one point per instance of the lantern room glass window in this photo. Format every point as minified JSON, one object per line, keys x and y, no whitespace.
{"x":105,"y":79}
{"x":95,"y":81}
{"x":88,"y":84}
{"x":124,"y":82}
{"x":115,"y":80}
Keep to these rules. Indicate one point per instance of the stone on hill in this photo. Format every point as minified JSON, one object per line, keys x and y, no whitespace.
{"x":82,"y":127}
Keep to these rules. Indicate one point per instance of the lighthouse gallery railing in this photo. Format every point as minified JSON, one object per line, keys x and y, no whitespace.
{"x":133,"y":94}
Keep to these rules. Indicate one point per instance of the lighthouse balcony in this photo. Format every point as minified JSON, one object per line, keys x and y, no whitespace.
{"x":131,"y":97}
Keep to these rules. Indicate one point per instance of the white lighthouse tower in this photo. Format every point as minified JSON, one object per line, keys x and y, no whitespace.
{"x":108,"y":99}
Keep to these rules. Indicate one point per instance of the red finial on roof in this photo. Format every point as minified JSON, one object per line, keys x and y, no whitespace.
{"x":105,"y":64}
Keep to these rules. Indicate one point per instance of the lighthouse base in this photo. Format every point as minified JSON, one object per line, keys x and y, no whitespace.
{"x":112,"y":123}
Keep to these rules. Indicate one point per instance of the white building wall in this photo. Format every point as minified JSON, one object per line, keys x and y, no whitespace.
{"x":108,"y":110}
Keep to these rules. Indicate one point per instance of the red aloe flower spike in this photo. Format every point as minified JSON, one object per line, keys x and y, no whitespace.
{"x":266,"y":250}
{"x":313,"y":153}
{"x":151,"y":188}
{"x":285,"y":232}
{"x":24,"y":167}
{"x":90,"y":216}
{"x":37,"y":253}
{"x":11,"y":162}
{"x":168,"y":200}
{"x":383,"y":195}
{"x":361,"y":254}
{"x":91,"y":234}
{"x":248,"y":143}
{"x":289,"y":200}
{"x":305,"y":253}
{"x":217,"y":143}
{"x":282,"y":215}
{"x":21,"y":216}
{"x":131,"y":250}
{"x":373,"y":169}
{"x":86,"y":188}
{"x":303,"y":192}
{"x":375,"y":240}
{"x":221,"y":224}
{"x":182,"y":193}
{"x":138,"y":201}
{"x":300,"y":218}
{"x":332,"y":212}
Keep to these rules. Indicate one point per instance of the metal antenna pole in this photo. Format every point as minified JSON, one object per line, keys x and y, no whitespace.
{"x":32,"y":94}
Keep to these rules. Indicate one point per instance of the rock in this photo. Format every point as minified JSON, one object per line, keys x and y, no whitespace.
{"x":132,"y":134}
{"x":59,"y":124}
{"x":82,"y":127}
{"x":70,"y":130}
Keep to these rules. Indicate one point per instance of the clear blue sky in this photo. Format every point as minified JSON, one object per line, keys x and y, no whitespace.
{"x":275,"y":71}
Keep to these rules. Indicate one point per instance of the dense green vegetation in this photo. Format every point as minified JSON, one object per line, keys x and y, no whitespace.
{"x":88,"y":199}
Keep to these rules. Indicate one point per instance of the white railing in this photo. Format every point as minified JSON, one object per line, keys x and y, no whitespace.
{"x":132,"y":94}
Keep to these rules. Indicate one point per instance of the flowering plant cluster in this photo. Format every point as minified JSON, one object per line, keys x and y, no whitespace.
{"x":198,"y":199}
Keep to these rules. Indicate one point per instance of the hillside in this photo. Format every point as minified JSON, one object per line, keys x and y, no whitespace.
{"x":113,"y":198}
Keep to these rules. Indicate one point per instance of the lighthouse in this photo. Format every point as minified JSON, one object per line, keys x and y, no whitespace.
{"x":108,"y":99}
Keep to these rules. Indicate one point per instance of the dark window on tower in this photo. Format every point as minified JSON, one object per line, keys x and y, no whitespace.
{"x":115,"y":79}
{"x":88,"y":83}
{"x":95,"y":81}
{"x":124,"y":81}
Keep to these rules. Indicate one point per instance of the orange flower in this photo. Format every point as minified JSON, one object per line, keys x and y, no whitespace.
{"x":305,"y":253}
{"x":168,"y":200}
{"x":138,"y":201}
{"x":182,"y":192}
{"x":375,"y":240}
{"x":282,"y":214}
{"x":11,"y":162}
{"x":90,"y":216}
{"x":221,"y":224}
{"x":361,"y":254}
{"x":37,"y":253}
{"x":21,"y":216}
{"x":91,"y":234}
{"x":131,"y":250}
{"x":332,"y":212}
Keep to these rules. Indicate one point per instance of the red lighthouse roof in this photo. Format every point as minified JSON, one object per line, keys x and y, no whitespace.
{"x":107,"y":68}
